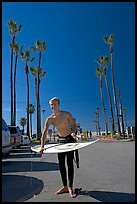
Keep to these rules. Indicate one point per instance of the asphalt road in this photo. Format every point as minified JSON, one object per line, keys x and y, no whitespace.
{"x":106,"y":174}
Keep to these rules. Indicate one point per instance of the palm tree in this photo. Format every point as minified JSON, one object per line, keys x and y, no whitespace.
{"x":121,"y":113}
{"x":23,"y":122}
{"x":13,"y":30}
{"x":40,"y":47}
{"x":15,"y":47}
{"x":125,"y":119}
{"x":96,"y":122}
{"x":104,"y":62}
{"x":26,"y":57}
{"x":99,"y":75}
{"x":110,"y":41}
{"x":97,"y":118}
{"x":35,"y":73}
{"x":31,"y":111}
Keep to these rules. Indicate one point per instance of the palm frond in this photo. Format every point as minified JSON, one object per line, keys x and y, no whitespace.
{"x":33,"y":48}
{"x":32,"y":59}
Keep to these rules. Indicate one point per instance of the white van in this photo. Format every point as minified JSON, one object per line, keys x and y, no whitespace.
{"x":6,"y":145}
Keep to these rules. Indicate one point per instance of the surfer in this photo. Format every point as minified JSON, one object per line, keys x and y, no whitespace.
{"x":65,"y":124}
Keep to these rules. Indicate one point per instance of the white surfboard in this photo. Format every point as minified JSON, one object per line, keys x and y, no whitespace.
{"x":58,"y":148}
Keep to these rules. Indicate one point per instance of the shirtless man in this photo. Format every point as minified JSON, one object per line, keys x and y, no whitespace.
{"x":65,"y":124}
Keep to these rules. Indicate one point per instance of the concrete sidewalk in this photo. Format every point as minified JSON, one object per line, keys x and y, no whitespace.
{"x":106,"y":174}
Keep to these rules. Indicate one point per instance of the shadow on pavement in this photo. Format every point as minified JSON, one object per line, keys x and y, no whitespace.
{"x":107,"y":196}
{"x":23,"y":166}
{"x":22,"y":153}
{"x":20,"y":188}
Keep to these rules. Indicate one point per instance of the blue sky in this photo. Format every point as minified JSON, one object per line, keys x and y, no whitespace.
{"x":74,"y":33}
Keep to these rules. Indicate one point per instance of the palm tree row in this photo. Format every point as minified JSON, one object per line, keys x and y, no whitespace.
{"x":99,"y":74}
{"x":13,"y":30}
{"x":36,"y":72}
{"x":103,"y":63}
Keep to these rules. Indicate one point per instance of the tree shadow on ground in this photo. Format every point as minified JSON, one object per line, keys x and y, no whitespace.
{"x":107,"y":196}
{"x":28,"y":166}
{"x":20,"y":188}
{"x":22,"y":153}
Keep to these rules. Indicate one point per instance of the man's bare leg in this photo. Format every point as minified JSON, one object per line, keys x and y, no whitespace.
{"x":71,"y":192}
{"x":64,"y":189}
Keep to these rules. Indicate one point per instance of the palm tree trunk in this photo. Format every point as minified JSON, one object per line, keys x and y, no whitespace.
{"x":11,"y":87}
{"x":105,"y":119}
{"x":38,"y":112}
{"x":36,"y":88}
{"x":23,"y":130}
{"x":110,"y":103}
{"x":96,"y":129}
{"x":98,"y":122}
{"x":125,"y":119}
{"x":39,"y":116}
{"x":27,"y":100}
{"x":122,"y":121}
{"x":11,"y":81}
{"x":103,"y":105}
{"x":121,"y":114}
{"x":38,"y":104}
{"x":114,"y":92}
{"x":15,"y":68}
{"x":31,"y":125}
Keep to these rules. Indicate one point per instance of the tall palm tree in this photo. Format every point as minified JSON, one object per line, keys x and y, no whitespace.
{"x":99,"y":75}
{"x":40,"y":47}
{"x":121,"y":113}
{"x":23,"y":122}
{"x":110,"y":41}
{"x":31,"y":111}
{"x":26,"y":56}
{"x":104,"y":62}
{"x":15,"y":47}
{"x":13,"y":30}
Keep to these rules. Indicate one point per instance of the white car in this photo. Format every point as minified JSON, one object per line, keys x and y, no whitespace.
{"x":15,"y":139}
{"x":25,"y":140}
{"x":6,"y":146}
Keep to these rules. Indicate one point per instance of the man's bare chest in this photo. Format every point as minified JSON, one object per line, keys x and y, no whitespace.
{"x":60,"y":121}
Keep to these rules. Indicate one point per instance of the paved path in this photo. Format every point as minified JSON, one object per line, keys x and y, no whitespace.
{"x":106,"y":174}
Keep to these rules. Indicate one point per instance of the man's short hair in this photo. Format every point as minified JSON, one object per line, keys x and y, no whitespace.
{"x":54,"y":99}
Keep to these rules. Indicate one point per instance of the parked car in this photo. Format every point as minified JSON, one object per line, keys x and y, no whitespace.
{"x":15,"y":136}
{"x":6,"y":145}
{"x":25,"y":139}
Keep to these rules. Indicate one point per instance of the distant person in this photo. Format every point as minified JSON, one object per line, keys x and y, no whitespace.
{"x":65,"y":124}
{"x":87,"y":133}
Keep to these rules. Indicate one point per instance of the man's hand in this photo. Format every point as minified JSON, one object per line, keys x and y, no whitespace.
{"x":41,"y":150}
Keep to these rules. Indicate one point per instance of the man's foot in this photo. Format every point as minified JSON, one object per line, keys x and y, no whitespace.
{"x":62,"y":190}
{"x":71,"y":192}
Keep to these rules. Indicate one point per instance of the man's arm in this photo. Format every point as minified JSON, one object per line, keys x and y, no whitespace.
{"x":44,"y":133}
{"x":72,"y":123}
